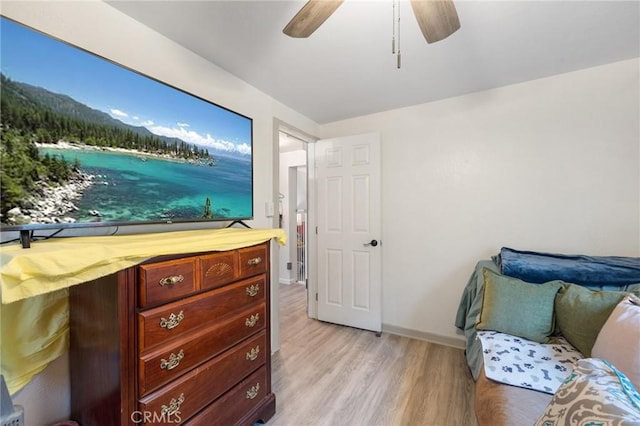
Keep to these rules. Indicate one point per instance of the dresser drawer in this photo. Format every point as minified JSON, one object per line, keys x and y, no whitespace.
{"x":252,"y":260}
{"x":158,"y":325}
{"x":164,"y":281}
{"x":218,"y":269}
{"x":180,"y":355}
{"x":204,"y":384}
{"x":236,"y":403}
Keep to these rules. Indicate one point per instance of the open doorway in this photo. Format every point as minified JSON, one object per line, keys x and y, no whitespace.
{"x":292,"y":209}
{"x":293,"y":179}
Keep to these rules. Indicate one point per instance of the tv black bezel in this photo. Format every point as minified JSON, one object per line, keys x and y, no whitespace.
{"x":80,"y":225}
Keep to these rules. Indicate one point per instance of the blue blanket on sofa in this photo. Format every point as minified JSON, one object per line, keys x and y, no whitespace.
{"x":590,"y":271}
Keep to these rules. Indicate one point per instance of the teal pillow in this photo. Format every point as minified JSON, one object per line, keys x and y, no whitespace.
{"x":517,"y":307}
{"x":581,"y":313}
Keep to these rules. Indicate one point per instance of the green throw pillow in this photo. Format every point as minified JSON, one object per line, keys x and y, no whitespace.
{"x":517,"y":307}
{"x":581,"y":313}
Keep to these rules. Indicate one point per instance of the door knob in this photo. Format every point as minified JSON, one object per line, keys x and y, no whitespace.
{"x":372,"y":243}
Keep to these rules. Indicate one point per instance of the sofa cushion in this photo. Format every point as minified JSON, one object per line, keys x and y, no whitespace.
{"x":522,"y":363}
{"x":497,"y":404}
{"x":595,"y":393}
{"x":619,"y":339}
{"x":581,"y":313}
{"x":506,"y":298}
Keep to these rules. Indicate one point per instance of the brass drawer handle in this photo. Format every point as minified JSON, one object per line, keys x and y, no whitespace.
{"x":253,"y":353}
{"x":173,"y":362}
{"x":174,"y":406}
{"x":254,"y":261}
{"x":253,"y":392}
{"x":173,"y":321}
{"x":253,"y":289}
{"x":171,"y":281}
{"x":252,"y":321}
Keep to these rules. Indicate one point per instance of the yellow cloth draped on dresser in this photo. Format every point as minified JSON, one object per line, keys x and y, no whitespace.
{"x":34,"y":317}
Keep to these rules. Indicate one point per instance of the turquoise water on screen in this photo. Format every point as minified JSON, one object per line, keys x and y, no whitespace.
{"x":127,"y":188}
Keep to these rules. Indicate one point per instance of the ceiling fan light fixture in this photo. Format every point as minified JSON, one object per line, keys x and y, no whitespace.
{"x":437,"y":20}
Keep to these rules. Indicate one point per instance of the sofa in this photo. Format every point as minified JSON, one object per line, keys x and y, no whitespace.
{"x":553,"y":339}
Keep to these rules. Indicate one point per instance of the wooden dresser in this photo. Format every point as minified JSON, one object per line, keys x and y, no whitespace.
{"x":175,"y":340}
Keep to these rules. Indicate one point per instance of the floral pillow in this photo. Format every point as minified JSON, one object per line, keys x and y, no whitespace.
{"x":594,"y":394}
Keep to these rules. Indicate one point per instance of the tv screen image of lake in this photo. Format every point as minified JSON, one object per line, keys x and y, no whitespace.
{"x":130,"y":188}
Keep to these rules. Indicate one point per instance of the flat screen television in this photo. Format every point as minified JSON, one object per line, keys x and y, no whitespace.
{"x":87,"y":142}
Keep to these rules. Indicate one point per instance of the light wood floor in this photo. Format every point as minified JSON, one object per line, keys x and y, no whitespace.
{"x":326,"y":374}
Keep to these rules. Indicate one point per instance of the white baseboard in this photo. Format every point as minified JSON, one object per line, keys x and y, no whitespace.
{"x":421,"y":335}
{"x":287,"y":281}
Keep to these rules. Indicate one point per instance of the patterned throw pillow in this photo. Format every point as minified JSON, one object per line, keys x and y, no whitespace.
{"x":594,"y":394}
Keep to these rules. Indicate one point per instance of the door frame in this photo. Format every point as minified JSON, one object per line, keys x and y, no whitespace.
{"x":312,"y":283}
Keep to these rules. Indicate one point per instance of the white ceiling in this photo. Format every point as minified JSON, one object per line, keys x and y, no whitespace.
{"x":346,"y":68}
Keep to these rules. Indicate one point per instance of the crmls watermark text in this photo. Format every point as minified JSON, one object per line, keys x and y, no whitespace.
{"x":151,"y":417}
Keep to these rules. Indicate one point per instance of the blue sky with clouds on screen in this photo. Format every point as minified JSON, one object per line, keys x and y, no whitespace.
{"x":31,"y":57}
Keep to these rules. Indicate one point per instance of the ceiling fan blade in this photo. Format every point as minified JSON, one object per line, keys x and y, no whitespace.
{"x":437,"y":19}
{"x":310,"y":17}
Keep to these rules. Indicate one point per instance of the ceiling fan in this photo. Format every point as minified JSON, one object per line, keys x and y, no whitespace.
{"x":437,"y":19}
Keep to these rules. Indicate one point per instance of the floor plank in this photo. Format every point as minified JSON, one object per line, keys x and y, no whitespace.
{"x":331,"y":375}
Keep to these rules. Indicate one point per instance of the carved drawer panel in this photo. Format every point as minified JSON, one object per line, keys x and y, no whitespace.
{"x":158,"y":325}
{"x":190,"y":393}
{"x":164,"y":281}
{"x":180,"y":355}
{"x":235,"y":403}
{"x":253,"y":260}
{"x":217,"y":269}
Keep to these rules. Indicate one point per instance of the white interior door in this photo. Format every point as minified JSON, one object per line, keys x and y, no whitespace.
{"x":349,"y":231}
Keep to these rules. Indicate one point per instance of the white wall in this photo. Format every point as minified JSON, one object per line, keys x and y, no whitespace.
{"x":101,"y":29}
{"x":550,"y":165}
